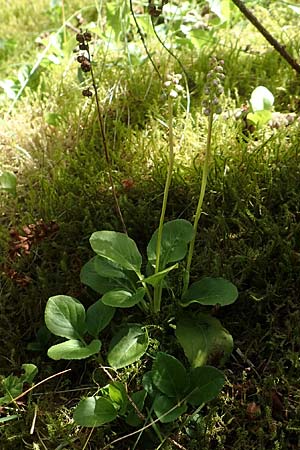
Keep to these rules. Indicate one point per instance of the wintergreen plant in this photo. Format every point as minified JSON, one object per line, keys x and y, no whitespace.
{"x":116,"y":273}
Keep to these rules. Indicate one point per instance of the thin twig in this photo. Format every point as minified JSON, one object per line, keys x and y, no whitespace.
{"x":38,"y":384}
{"x":105,"y":147}
{"x":139,"y":31}
{"x":280,"y":48}
{"x":169,"y":51}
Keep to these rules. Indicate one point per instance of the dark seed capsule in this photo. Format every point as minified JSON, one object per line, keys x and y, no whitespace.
{"x":87,"y":92}
{"x":81,"y":58}
{"x":83,"y":46}
{"x":86,"y":66}
{"x":79,"y":37}
{"x":87,"y":36}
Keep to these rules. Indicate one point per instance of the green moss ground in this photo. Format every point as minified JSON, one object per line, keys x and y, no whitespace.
{"x":250,"y":232}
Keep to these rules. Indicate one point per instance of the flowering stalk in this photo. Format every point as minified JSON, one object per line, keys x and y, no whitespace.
{"x":213,"y":89}
{"x":85,"y":62}
{"x":173,"y":86}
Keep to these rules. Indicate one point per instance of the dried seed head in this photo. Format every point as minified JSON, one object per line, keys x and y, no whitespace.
{"x":213,"y":88}
{"x":83,"y":46}
{"x":87,"y":36}
{"x":87,"y":92}
{"x":86,"y":65}
{"x":79,"y":37}
{"x":81,"y":58}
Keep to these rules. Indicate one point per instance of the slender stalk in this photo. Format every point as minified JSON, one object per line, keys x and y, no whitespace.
{"x":141,"y":279}
{"x":106,"y":151}
{"x":64,"y":20}
{"x":158,"y":288}
{"x":200,"y":201}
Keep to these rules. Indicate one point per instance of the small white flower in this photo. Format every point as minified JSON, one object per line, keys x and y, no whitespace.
{"x":173,"y":93}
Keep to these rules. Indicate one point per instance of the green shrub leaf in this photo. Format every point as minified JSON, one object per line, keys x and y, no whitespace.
{"x":8,"y":182}
{"x":127,"y":346}
{"x":204,"y":339}
{"x":169,"y":375}
{"x":123,"y":299}
{"x":117,"y":248}
{"x":94,"y":412}
{"x":30,"y":371}
{"x":166,"y":408}
{"x":211,"y":291}
{"x":98,"y":316}
{"x":74,"y":349}
{"x":65,"y":317}
{"x":206,"y":384}
{"x":259,"y":118}
{"x":175,"y":238}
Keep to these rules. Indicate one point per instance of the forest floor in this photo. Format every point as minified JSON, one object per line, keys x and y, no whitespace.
{"x":249,"y":232}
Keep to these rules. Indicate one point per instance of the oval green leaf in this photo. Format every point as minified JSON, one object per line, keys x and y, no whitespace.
{"x":204,"y":339}
{"x":74,"y":349}
{"x":107,"y":269}
{"x":211,"y":291}
{"x":118,"y":395}
{"x":90,"y":277}
{"x":206,"y":384}
{"x":175,"y":238}
{"x":169,"y":375}
{"x":117,"y":248}
{"x":65,"y":317}
{"x":98,"y":316}
{"x":8,"y":182}
{"x":166,"y":408}
{"x":127,"y":346}
{"x":139,"y":399}
{"x":123,"y":299}
{"x":94,"y":412}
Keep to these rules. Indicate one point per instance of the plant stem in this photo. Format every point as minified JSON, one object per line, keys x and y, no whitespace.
{"x":64,"y":20}
{"x":158,"y":288}
{"x":106,"y":151}
{"x":200,"y":201}
{"x":141,"y":278}
{"x":281,"y":49}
